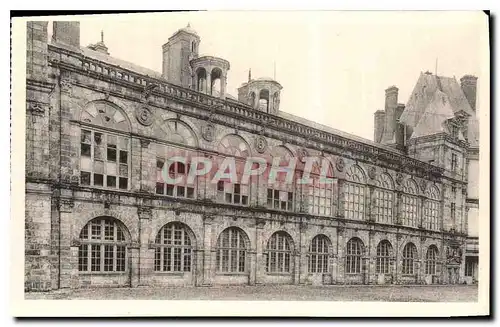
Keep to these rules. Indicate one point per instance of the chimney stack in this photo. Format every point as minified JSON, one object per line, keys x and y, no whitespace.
{"x":469,"y":86}
{"x":67,"y":33}
{"x":379,"y":125}
{"x":391,"y":104}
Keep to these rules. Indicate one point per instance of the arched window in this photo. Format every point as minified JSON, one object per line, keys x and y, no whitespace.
{"x":384,"y":251}
{"x":321,"y":191}
{"x":232,"y":251}
{"x":355,"y":250}
{"x":280,"y":195}
{"x":201,"y":80}
{"x":279,"y":253}
{"x":104,"y":146}
{"x":215,"y":78}
{"x":409,"y":204}
{"x":318,"y":254}
{"x":384,"y":199}
{"x":431,"y":208}
{"x":264,"y":100}
{"x":431,"y":260}
{"x":103,"y":246}
{"x":354,"y":194}
{"x":173,"y":248}
{"x":409,"y":257}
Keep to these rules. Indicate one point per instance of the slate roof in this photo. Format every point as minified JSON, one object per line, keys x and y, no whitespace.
{"x":434,"y":100}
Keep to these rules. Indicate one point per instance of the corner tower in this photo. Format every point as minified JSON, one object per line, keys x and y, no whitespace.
{"x":180,"y":49}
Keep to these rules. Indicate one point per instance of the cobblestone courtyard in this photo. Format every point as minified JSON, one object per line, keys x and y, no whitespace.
{"x":458,"y":293}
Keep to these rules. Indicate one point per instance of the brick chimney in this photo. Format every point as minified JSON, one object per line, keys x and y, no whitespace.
{"x":379,"y":124}
{"x":469,"y":86}
{"x":67,"y":33}
{"x":391,"y":104}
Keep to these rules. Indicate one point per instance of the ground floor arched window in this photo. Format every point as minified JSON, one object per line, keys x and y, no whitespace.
{"x":318,"y":254}
{"x":173,"y":248}
{"x":279,"y":253}
{"x":232,"y":247}
{"x":384,"y":250}
{"x":355,"y":249}
{"x":103,"y":246}
{"x":431,"y":260}
{"x":409,"y":258}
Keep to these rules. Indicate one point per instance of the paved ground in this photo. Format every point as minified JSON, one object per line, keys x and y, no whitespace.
{"x":458,"y":293}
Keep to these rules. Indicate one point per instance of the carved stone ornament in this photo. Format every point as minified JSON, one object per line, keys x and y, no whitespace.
{"x":372,"y":172}
{"x":208,"y":132}
{"x":302,"y":153}
{"x":66,"y":85}
{"x":260,"y":144}
{"x":453,"y":255}
{"x":423,"y":185}
{"x":36,"y":108}
{"x":339,"y":164}
{"x":399,"y":178}
{"x":144,"y":116}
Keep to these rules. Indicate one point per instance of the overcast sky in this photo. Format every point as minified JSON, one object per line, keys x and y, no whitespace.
{"x":333,"y":66}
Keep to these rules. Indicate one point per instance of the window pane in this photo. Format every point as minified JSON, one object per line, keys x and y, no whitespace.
{"x":98,"y":180}
{"x":85,"y":150}
{"x":111,"y":154}
{"x":111,"y":181}
{"x":85,"y":178}
{"x":123,"y":157}
{"x":123,"y":183}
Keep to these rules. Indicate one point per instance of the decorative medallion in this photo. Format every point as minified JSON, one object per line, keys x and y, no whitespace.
{"x":340,"y":164}
{"x":260,"y":144}
{"x":399,"y":178}
{"x":144,"y":116}
{"x":372,"y":172}
{"x":208,"y":132}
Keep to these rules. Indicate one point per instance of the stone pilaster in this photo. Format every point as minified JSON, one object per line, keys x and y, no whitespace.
{"x":340,"y":252}
{"x":148,"y":168}
{"x":208,"y":257}
{"x":260,"y":267}
{"x":340,"y":199}
{"x":146,"y":259}
{"x":421,"y":211}
{"x":303,"y":251}
{"x":66,"y":214}
{"x":398,"y":208}
{"x":397,"y":263}
{"x":66,"y":91}
{"x":134,"y":257}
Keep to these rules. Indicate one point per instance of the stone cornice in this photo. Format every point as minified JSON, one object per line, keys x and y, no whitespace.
{"x":80,"y":64}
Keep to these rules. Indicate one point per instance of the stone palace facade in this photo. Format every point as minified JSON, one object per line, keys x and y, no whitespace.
{"x":100,"y":129}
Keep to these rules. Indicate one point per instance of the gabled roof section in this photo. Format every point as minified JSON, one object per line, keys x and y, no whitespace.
{"x":425,"y":111}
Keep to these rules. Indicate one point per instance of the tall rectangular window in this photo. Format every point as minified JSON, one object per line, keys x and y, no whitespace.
{"x":409,"y":210}
{"x":320,"y":198}
{"x":354,"y":201}
{"x":383,"y":206}
{"x":232,"y":193}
